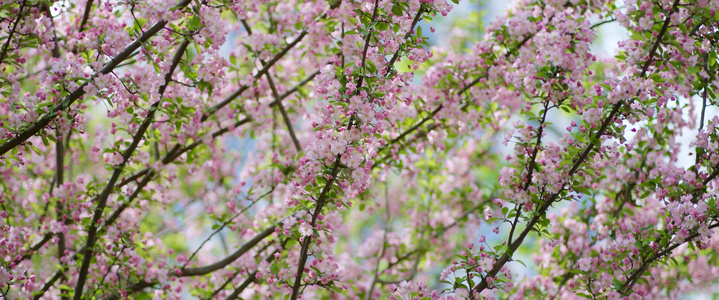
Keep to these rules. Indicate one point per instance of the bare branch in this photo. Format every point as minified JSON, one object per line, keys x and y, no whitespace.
{"x":85,"y":15}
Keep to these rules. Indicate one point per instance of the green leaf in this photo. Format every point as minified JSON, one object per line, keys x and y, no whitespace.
{"x":35,"y":149}
{"x":397,"y":10}
{"x":144,"y":296}
{"x":195,"y":22}
{"x":521,"y":262}
{"x":693,"y":70}
{"x":382,"y":26}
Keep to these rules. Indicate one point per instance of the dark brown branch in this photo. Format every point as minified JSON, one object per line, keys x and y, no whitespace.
{"x":259,"y":74}
{"x":116,"y":214}
{"x":530,"y":166}
{"x":223,"y":285}
{"x":59,"y":180}
{"x":229,"y":259}
{"x":36,"y":247}
{"x":406,"y":36}
{"x":705,"y":95}
{"x":712,"y":175}
{"x":85,"y":15}
{"x":56,"y":48}
{"x":285,"y":116}
{"x":298,"y":85}
{"x":602,"y":23}
{"x":634,"y":277}
{"x":12,"y":32}
{"x":229,"y":280}
{"x":187,"y":272}
{"x":276,"y":95}
{"x":366,"y":46}
{"x":223,"y":225}
{"x":304,"y":251}
{"x":48,"y":284}
{"x":269,"y":258}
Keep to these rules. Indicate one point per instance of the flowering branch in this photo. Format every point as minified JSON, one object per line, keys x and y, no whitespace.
{"x":102,"y":199}
{"x":42,"y":122}
{"x":639,"y":272}
{"x":140,"y":147}
{"x":12,"y":31}
{"x":512,"y":247}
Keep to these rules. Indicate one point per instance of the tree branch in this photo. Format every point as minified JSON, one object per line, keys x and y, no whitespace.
{"x":12,"y":32}
{"x":102,"y":199}
{"x":271,"y":83}
{"x":634,"y":277}
{"x":188,"y":272}
{"x":234,"y":256}
{"x":285,"y":117}
{"x":229,"y":280}
{"x":270,"y":257}
{"x":259,"y":74}
{"x":85,"y":15}
{"x":224,"y":224}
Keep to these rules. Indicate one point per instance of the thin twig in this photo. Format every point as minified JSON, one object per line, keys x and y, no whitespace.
{"x":375,"y":275}
{"x":12,"y":32}
{"x":85,"y":15}
{"x":222,"y":226}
